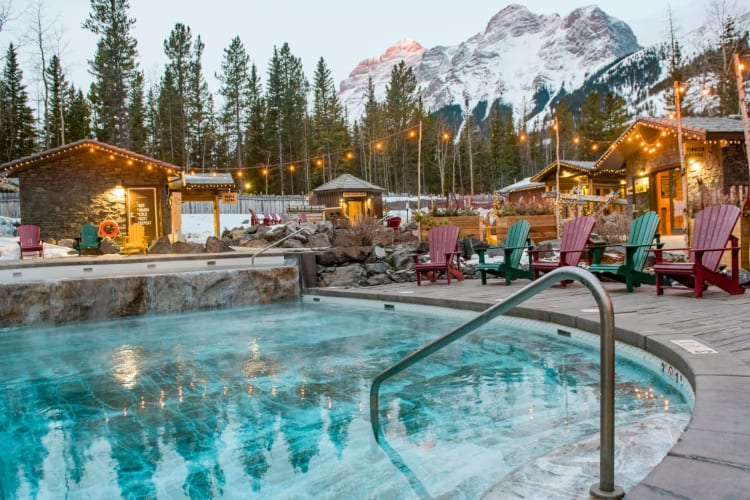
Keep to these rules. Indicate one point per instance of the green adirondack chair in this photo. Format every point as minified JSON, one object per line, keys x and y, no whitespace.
{"x":516,"y":242}
{"x":89,"y":239}
{"x":641,"y":237}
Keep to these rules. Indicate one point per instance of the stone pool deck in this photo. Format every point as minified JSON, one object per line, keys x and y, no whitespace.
{"x":711,"y":460}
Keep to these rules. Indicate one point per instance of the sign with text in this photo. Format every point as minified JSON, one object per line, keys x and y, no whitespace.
{"x":142,"y":209}
{"x":229,"y":198}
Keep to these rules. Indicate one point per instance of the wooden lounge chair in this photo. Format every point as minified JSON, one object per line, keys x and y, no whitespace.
{"x":711,"y":233}
{"x":516,"y":242}
{"x":89,"y":239}
{"x":136,"y":241}
{"x":254,"y":221}
{"x":575,"y":236}
{"x":302,"y":217}
{"x":393,"y":223}
{"x":641,"y":237}
{"x":30,"y":240}
{"x":444,"y":256}
{"x":268,"y":219}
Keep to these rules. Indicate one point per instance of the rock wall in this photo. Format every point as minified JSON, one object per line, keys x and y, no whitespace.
{"x":62,"y":301}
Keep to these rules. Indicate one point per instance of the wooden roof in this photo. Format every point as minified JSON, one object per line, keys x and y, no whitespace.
{"x":347,"y":182}
{"x":11,"y":169}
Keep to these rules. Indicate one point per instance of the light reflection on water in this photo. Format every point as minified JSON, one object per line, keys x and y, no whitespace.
{"x":273,"y":402}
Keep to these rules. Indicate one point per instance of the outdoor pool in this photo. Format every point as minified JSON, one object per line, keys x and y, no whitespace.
{"x":273,"y":402}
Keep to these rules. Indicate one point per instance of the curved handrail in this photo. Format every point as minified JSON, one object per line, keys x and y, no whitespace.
{"x":252,"y":261}
{"x":606,"y":487}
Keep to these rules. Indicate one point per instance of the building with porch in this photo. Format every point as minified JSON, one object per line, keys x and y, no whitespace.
{"x":88,"y":181}
{"x":648,"y":156}
{"x":354,"y":197}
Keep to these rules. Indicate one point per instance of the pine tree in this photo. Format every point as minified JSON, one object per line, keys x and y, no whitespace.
{"x":177,"y":48}
{"x":55,"y":117}
{"x":286,"y":109}
{"x":16,"y":117}
{"x":505,"y":154}
{"x":235,"y":91}
{"x":77,"y":116}
{"x":591,"y":125}
{"x":137,"y":115}
{"x":113,"y":68}
{"x":200,"y":120}
{"x":400,"y":112}
{"x":330,"y":132}
{"x":371,"y":130}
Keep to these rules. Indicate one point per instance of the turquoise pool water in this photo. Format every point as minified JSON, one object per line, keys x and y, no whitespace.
{"x":272,"y":402}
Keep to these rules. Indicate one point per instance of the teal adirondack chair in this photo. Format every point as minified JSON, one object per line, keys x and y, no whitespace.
{"x":641,"y":237}
{"x":89,"y":239}
{"x":516,"y":242}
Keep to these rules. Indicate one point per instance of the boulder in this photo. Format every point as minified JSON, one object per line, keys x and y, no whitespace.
{"x":187,"y":247}
{"x":216,"y":245}
{"x":161,"y":246}
{"x":108,"y":247}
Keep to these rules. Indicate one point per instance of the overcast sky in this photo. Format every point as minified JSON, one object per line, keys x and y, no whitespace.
{"x":343,"y":32}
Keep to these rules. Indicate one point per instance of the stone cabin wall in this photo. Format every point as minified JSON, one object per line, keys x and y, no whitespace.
{"x":62,"y":195}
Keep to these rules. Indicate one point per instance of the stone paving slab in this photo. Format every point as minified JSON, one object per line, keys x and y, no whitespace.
{"x":711,"y":458}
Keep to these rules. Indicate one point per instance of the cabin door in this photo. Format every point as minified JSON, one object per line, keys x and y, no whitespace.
{"x":669,"y":202}
{"x":356,"y":209}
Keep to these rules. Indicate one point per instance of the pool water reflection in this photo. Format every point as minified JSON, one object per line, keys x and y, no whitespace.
{"x":272,"y":401}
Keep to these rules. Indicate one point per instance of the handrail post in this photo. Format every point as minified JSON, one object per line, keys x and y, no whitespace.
{"x":606,"y":487}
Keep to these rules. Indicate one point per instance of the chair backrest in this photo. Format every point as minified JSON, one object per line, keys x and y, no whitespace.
{"x":136,"y":234}
{"x":517,"y":238}
{"x":712,"y":229}
{"x":29,"y":235}
{"x":302,"y":217}
{"x":267,"y":219}
{"x":642,"y":232}
{"x":393,"y":222}
{"x":89,"y":236}
{"x":442,"y":240}
{"x":575,"y":235}
{"x":254,"y":218}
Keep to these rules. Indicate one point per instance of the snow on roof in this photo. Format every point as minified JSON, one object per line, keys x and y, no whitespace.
{"x":347,"y":182}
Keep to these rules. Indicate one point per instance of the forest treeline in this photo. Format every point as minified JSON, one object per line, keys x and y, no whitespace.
{"x":282,"y":133}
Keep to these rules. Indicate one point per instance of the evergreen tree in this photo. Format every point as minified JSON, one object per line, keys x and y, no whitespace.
{"x":16,"y":117}
{"x":370,"y":131}
{"x":256,"y":151}
{"x":113,"y":68}
{"x":235,"y":91}
{"x":177,"y":48}
{"x":505,"y":153}
{"x":330,"y":133}
{"x":77,"y":116}
{"x":286,"y":109}
{"x":137,"y":115}
{"x":54,"y":119}
{"x":200,"y":116}
{"x":400,"y":113}
{"x":676,"y":65}
{"x":591,"y":125}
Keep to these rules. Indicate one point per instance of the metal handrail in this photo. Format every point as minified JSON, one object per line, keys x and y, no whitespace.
{"x":606,"y":487}
{"x":252,"y":261}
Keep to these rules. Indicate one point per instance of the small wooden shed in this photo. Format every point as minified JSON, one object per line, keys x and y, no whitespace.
{"x":88,"y":181}
{"x":355,"y":197}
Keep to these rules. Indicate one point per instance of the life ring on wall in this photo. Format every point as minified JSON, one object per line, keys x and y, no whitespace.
{"x":109,"y":228}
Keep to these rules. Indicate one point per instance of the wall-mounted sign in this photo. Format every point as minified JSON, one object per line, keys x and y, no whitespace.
{"x":142,"y":208}
{"x":641,"y":185}
{"x":355,"y":194}
{"x":229,"y":198}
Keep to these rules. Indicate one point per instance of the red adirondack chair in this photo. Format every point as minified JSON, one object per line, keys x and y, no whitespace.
{"x":302,"y":217}
{"x":30,"y":240}
{"x":267,"y":219}
{"x":393,"y":223}
{"x":575,"y":236}
{"x":254,"y":218}
{"x":711,"y":233}
{"x":444,"y":256}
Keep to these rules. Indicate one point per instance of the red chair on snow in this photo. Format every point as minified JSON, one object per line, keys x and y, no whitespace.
{"x":30,"y":240}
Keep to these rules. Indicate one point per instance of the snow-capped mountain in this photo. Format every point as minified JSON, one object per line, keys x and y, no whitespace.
{"x":521,"y":58}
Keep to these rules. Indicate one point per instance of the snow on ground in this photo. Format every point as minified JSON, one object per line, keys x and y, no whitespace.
{"x":195,"y":227}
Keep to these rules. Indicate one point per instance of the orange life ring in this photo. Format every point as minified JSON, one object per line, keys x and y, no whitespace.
{"x":109,"y":228}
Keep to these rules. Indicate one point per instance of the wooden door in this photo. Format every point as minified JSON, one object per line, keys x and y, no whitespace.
{"x":669,"y":201}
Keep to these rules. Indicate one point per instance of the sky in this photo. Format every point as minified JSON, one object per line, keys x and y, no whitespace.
{"x":343,"y":32}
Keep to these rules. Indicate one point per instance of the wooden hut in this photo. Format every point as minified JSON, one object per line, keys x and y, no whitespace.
{"x":354,"y":197}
